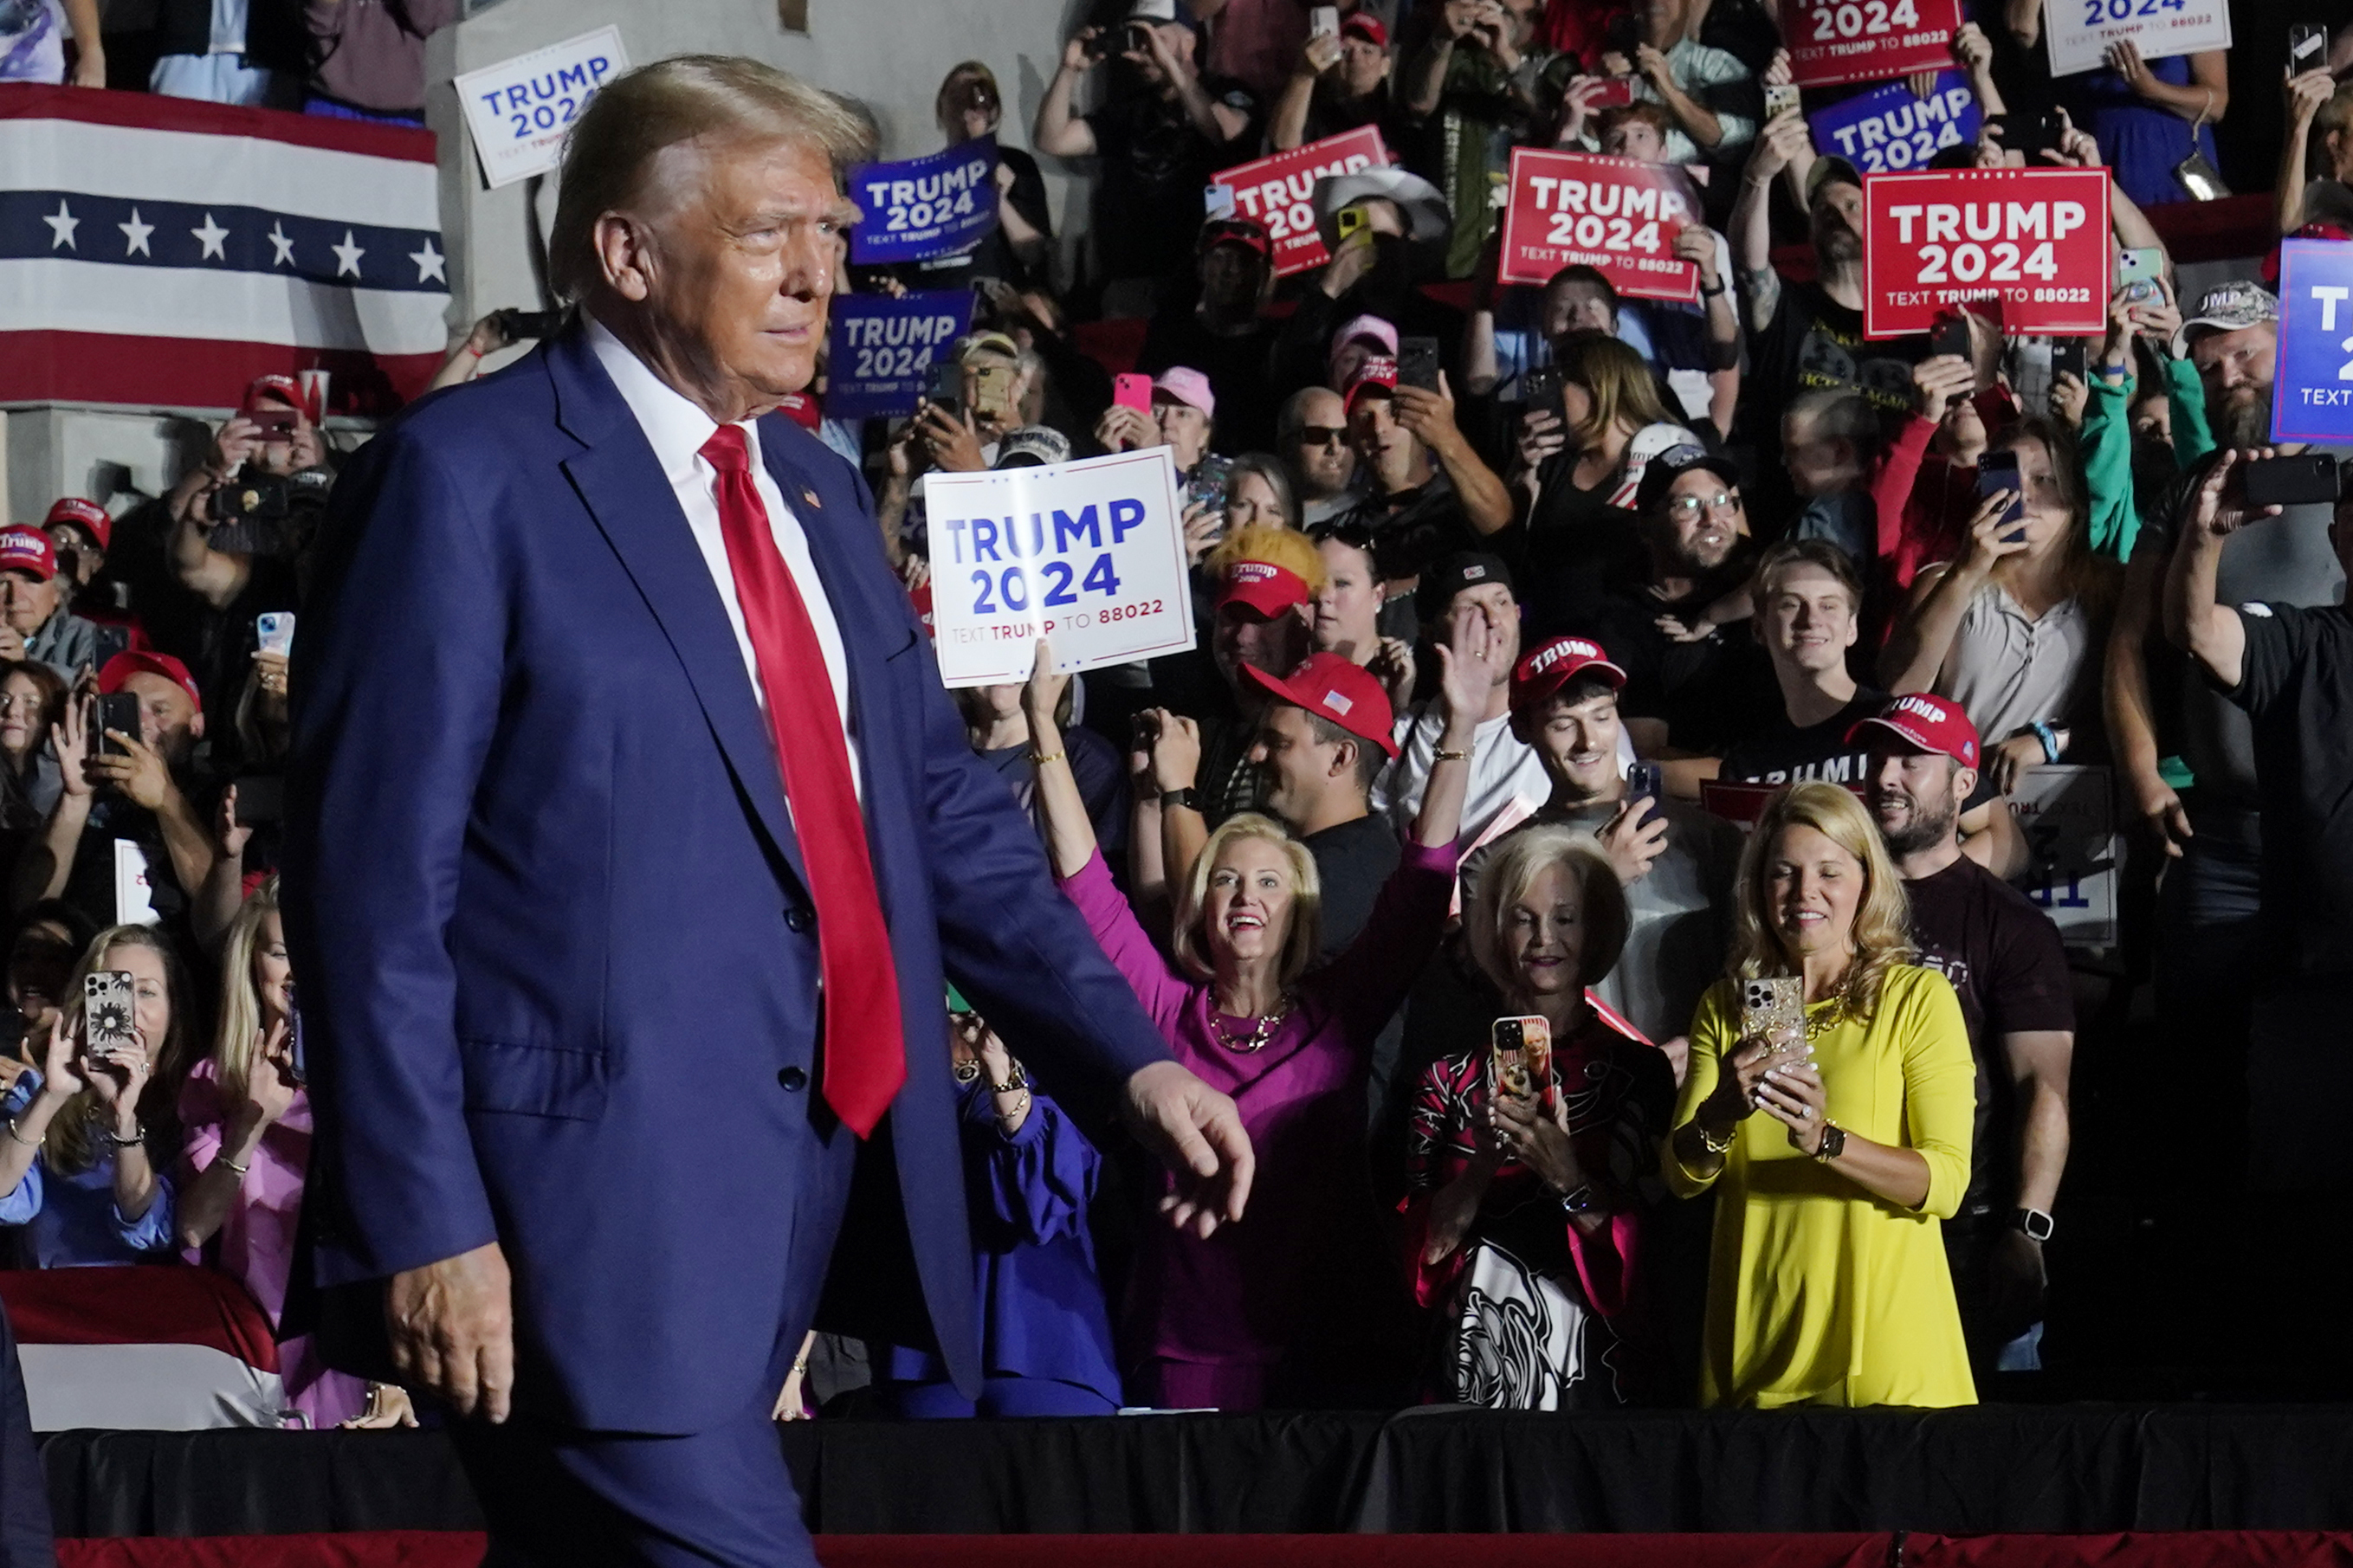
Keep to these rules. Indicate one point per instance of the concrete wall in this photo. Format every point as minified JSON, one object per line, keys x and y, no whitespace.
{"x":891,"y":54}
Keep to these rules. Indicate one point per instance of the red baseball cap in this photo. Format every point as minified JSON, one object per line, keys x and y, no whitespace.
{"x":1378,"y":372}
{"x":1265,"y":589}
{"x":123,"y":665}
{"x":1339,"y":691}
{"x":1366,"y":26}
{"x":1554,"y":664}
{"x":27,"y":550}
{"x":1246,"y":232}
{"x":87,"y":513}
{"x":284,"y":388}
{"x":1926,"y":723}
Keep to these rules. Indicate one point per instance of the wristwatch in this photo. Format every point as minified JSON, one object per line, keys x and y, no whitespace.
{"x":2036,"y":1224}
{"x":1183,"y":799}
{"x":1579,"y":1201}
{"x":1833,"y":1143}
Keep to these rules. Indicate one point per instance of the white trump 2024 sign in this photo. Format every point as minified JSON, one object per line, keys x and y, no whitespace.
{"x":519,"y":109}
{"x":2080,"y":31}
{"x":1089,"y":554}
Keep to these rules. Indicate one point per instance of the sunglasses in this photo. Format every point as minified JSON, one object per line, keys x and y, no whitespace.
{"x":1322,"y":435}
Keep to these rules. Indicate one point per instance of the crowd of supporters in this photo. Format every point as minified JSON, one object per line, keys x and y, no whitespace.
{"x":1435,"y":852}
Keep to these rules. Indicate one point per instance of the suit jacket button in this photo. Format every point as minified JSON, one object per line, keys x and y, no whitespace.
{"x":793,"y":1079}
{"x":797,"y":918}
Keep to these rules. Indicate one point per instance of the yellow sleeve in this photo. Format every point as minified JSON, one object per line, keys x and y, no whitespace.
{"x":1940,"y":1085}
{"x":1715,"y":1030}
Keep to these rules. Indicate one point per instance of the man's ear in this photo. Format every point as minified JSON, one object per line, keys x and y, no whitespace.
{"x":1964,"y":785}
{"x":622,"y":255}
{"x":196,"y":726}
{"x":1346,"y":756}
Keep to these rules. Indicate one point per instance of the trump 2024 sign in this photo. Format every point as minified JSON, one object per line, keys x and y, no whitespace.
{"x":1280,"y":192}
{"x":1614,"y":214}
{"x":2312,"y":383}
{"x":2037,"y":240}
{"x":1832,"y":42}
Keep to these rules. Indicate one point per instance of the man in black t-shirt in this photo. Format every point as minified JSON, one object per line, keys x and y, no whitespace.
{"x":1321,"y":743}
{"x":2290,"y":668}
{"x":1697,"y":680}
{"x":2009,"y":968}
{"x":1165,"y":129}
{"x":1808,"y":610}
{"x":1217,"y":329}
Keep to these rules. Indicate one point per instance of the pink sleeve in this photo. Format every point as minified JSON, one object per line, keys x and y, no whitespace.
{"x":1605,"y":1261}
{"x":1892,"y":491}
{"x":200,"y":1117}
{"x":1122,"y":940}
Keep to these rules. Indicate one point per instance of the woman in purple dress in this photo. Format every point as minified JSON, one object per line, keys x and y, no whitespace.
{"x":1029,"y":1175}
{"x":1300,"y":1305}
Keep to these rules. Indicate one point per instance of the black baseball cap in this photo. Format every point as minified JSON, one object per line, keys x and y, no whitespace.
{"x":1464,"y":569}
{"x":1663,"y":470}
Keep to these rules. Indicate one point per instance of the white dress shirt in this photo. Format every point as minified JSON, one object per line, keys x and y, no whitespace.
{"x":677,"y":430}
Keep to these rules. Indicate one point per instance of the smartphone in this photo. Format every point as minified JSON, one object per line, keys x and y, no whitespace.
{"x":1774,"y":1008}
{"x":1522,"y":1054}
{"x":1417,"y":362}
{"x":1616,"y":91}
{"x":1540,"y":388}
{"x":106,"y":1012}
{"x":297,"y":1064}
{"x":2067,"y":358}
{"x":1323,"y":22}
{"x":273,"y":630}
{"x":944,"y":387}
{"x":2141,"y":264}
{"x":274,"y":424}
{"x":1207,"y":484}
{"x":1950,"y":335}
{"x":992,"y":391}
{"x":1131,"y":392}
{"x":1780,"y":97}
{"x":1998,"y":471}
{"x":1644,"y":781}
{"x":260,"y":798}
{"x":1348,"y":221}
{"x":2308,"y":47}
{"x":2303,"y":480}
{"x":520,"y":324}
{"x":118,"y":714}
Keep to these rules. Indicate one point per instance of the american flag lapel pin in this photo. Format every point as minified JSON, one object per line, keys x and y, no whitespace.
{"x":810,"y":497}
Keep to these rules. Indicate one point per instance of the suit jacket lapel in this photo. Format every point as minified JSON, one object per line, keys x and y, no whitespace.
{"x":622,"y":484}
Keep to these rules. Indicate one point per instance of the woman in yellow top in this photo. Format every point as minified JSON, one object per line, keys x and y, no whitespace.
{"x":1827,"y":1282}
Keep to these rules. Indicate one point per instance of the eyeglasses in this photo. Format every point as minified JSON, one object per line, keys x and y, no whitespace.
{"x":1690,"y":506}
{"x":1322,"y":435}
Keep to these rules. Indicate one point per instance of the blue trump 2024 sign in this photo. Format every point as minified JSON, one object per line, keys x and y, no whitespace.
{"x":932,"y":205}
{"x":2312,"y":384}
{"x":880,"y":351}
{"x":1887,"y":130}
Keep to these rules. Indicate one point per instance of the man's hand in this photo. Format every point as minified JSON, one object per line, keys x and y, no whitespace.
{"x":1350,"y":262}
{"x":1779,"y":145}
{"x":1633,"y":838}
{"x":2015,"y":1282}
{"x":2159,"y":807}
{"x":229,"y":832}
{"x":1175,"y":750}
{"x":12,"y":643}
{"x":136,"y":770}
{"x":1198,"y":1135}
{"x":952,"y":443}
{"x":452,"y":1328}
{"x":2221,"y":508}
{"x":2008,"y":762}
{"x":1078,"y":53}
{"x":1971,"y":48}
{"x":1321,"y":53}
{"x":239,"y":441}
{"x":1652,"y":65}
{"x":1429,"y":417}
{"x":1695,"y":243}
{"x":1459,"y":17}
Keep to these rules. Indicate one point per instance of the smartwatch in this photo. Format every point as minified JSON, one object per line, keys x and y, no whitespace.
{"x":2033,"y":1222}
{"x":1182,"y":798}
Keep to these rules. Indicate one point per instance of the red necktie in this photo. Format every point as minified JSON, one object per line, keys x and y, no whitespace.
{"x":865,"y":1056}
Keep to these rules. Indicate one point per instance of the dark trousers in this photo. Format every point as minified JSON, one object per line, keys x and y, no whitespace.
{"x":2208,"y":953}
{"x":25,"y":1540}
{"x":555,"y":1496}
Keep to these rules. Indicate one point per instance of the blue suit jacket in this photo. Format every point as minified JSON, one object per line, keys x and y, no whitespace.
{"x":550,"y":921}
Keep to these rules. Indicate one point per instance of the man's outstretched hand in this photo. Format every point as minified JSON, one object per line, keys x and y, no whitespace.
{"x":452,"y":1327}
{"x":1197,"y":1134}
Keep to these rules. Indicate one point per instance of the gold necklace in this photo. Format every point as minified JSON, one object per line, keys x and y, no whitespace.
{"x":1824,"y":1017}
{"x":1257,"y":1038}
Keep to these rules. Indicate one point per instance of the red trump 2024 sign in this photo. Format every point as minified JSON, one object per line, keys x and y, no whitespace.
{"x":1279,"y":191}
{"x":1832,"y":42}
{"x":1613,"y":215}
{"x":2035,"y":239}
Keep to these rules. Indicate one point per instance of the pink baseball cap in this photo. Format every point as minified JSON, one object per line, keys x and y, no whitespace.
{"x":29,"y":550}
{"x":1926,"y":723}
{"x":1187,"y":386}
{"x":123,"y":665}
{"x":1372,"y":329}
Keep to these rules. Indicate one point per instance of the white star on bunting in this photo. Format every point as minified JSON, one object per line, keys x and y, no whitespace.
{"x":347,"y":255}
{"x":135,"y":234}
{"x":210,"y":237}
{"x":281,"y":245}
{"x":62,"y":224}
{"x":429,"y":262}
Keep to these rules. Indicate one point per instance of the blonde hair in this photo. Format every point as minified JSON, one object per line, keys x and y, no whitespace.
{"x":240,"y":1002}
{"x":1284,"y":547}
{"x":1615,"y":378}
{"x":611,"y":147}
{"x":1299,"y":943}
{"x":72,"y":1143}
{"x":1513,"y":867}
{"x":1882,"y":921}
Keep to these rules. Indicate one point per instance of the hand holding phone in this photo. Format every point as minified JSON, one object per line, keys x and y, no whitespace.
{"x":1773,"y":1011}
{"x":1131,"y":392}
{"x":1997,"y":473}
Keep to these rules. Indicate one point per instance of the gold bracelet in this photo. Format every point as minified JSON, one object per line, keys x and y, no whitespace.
{"x":1444,"y":755}
{"x":19,"y":1137}
{"x":800,"y":1368}
{"x":1709,"y":1144}
{"x":1038,"y":760}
